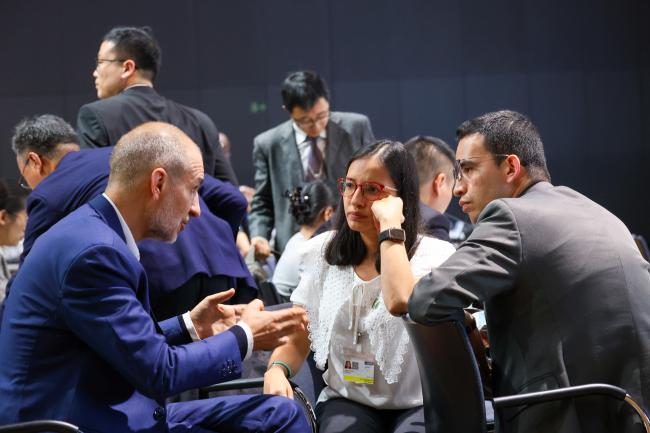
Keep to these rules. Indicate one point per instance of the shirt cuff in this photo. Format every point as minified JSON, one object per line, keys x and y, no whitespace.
{"x":249,"y":338}
{"x":190,"y":327}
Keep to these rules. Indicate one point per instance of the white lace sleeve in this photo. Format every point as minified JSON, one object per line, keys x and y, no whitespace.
{"x":309,"y":292}
{"x":388,"y":337}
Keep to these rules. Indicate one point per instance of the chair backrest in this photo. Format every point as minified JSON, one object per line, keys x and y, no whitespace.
{"x":451,"y":382}
{"x":269,"y":295}
{"x":643,"y":246}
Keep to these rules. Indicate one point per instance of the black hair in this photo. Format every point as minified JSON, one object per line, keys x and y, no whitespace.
{"x":432,"y":156}
{"x":303,"y":89}
{"x":10,"y":201}
{"x":508,"y":132}
{"x":346,"y":246}
{"x":309,"y":201}
{"x":139,"y":45}
{"x":42,"y":134}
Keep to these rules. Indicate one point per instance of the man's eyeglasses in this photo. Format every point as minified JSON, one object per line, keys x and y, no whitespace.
{"x":309,"y":123}
{"x":22,"y":181}
{"x":463,"y":167}
{"x":99,"y":62}
{"x":371,"y":190}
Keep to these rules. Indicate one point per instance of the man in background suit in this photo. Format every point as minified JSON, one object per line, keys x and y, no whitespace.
{"x":127,"y":64}
{"x":313,"y":144}
{"x":203,"y":261}
{"x":566,"y":291}
{"x":78,"y":342}
{"x":434,"y":160}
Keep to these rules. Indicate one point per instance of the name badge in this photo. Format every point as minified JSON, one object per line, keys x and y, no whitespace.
{"x":357,"y":370}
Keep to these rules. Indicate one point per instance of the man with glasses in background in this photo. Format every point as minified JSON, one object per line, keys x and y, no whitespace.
{"x":566,"y":291}
{"x":127,"y":64}
{"x":315,"y":143}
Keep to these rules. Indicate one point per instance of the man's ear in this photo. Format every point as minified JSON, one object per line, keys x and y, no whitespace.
{"x":512,"y":168}
{"x":128,"y":69}
{"x":437,"y":183}
{"x":3,"y":217}
{"x":158,"y":182}
{"x":41,"y":163}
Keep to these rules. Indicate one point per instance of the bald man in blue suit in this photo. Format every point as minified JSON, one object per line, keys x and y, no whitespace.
{"x":204,"y":260}
{"x":78,"y":342}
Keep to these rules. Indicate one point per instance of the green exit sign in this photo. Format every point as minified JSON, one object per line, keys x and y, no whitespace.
{"x":258,"y":107}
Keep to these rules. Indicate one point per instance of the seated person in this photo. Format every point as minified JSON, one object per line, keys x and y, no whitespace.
{"x":12,"y":228}
{"x":340,"y":288}
{"x":311,"y":205}
{"x":78,"y":341}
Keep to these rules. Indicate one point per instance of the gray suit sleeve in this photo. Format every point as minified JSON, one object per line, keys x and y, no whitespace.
{"x":89,"y":129}
{"x":261,"y":217}
{"x":484,"y":266}
{"x":367,"y":135}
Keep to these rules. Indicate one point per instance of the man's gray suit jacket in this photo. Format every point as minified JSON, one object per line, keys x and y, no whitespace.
{"x":278,"y":168}
{"x":567,"y":302}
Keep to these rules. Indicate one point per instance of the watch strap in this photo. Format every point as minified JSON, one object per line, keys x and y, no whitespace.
{"x":394,"y":234}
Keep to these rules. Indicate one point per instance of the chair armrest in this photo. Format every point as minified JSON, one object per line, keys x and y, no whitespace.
{"x":39,"y":427}
{"x":258,"y":382}
{"x":560,"y":394}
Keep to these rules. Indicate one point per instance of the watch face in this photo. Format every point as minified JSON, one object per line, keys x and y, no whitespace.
{"x":393,"y":234}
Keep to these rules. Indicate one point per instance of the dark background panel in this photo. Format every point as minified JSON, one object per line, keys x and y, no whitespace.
{"x":580,"y":70}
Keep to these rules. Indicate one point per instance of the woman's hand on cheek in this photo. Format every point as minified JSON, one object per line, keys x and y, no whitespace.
{"x":387,"y":213}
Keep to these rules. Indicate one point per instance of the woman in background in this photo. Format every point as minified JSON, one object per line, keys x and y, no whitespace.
{"x":311,"y":205}
{"x":12,"y":228}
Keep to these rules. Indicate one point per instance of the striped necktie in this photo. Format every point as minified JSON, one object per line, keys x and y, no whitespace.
{"x":315,"y":163}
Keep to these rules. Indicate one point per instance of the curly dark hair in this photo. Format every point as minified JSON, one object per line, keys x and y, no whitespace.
{"x":309,"y":200}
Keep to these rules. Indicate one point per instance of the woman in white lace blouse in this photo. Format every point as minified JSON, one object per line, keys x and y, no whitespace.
{"x":371,"y":373}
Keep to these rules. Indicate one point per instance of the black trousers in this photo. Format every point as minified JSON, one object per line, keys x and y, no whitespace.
{"x":341,"y":415}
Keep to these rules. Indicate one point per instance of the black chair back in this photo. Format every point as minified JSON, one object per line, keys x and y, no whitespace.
{"x":451,"y":382}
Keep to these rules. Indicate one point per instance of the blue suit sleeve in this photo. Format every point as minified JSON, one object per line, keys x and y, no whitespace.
{"x":224,"y":200}
{"x":40,"y":218}
{"x":99,"y":304}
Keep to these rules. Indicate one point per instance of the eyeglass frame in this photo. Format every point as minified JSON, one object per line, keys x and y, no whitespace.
{"x":99,"y":62}
{"x":457,"y":170}
{"x":308,"y":123}
{"x":342,"y":180}
{"x":22,"y":182}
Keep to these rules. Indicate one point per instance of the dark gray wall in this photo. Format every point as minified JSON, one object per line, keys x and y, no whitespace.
{"x":579,"y":69}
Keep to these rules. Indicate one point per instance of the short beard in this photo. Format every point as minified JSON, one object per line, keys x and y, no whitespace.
{"x":160,"y":227}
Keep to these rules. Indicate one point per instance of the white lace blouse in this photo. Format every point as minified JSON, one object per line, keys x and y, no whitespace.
{"x":338,"y":302}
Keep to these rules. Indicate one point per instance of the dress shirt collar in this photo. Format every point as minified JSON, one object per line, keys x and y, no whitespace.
{"x":130,"y":241}
{"x":301,"y":136}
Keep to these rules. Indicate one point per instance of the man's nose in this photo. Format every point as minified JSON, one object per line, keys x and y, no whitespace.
{"x":195,"y":209}
{"x":459,"y":188}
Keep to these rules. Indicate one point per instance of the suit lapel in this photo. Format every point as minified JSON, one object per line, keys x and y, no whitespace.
{"x":105,"y":209}
{"x":290,"y":151}
{"x":108,"y":214}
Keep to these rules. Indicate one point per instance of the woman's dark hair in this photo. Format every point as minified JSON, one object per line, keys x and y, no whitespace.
{"x":346,"y":246}
{"x":309,"y":200}
{"x":10,"y":201}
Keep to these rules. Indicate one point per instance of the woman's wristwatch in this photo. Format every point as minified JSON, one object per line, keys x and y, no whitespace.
{"x":393,"y":234}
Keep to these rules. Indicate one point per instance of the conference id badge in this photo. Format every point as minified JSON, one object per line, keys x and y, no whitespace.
{"x":358,"y":368}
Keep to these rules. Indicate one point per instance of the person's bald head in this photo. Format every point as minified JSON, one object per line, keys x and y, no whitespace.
{"x":156,"y":172}
{"x":149,"y":146}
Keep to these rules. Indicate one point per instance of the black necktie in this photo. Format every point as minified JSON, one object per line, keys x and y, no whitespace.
{"x":315,"y":169}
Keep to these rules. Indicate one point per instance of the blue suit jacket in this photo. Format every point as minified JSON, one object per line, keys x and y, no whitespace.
{"x":206,"y":245}
{"x":78,"y":342}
